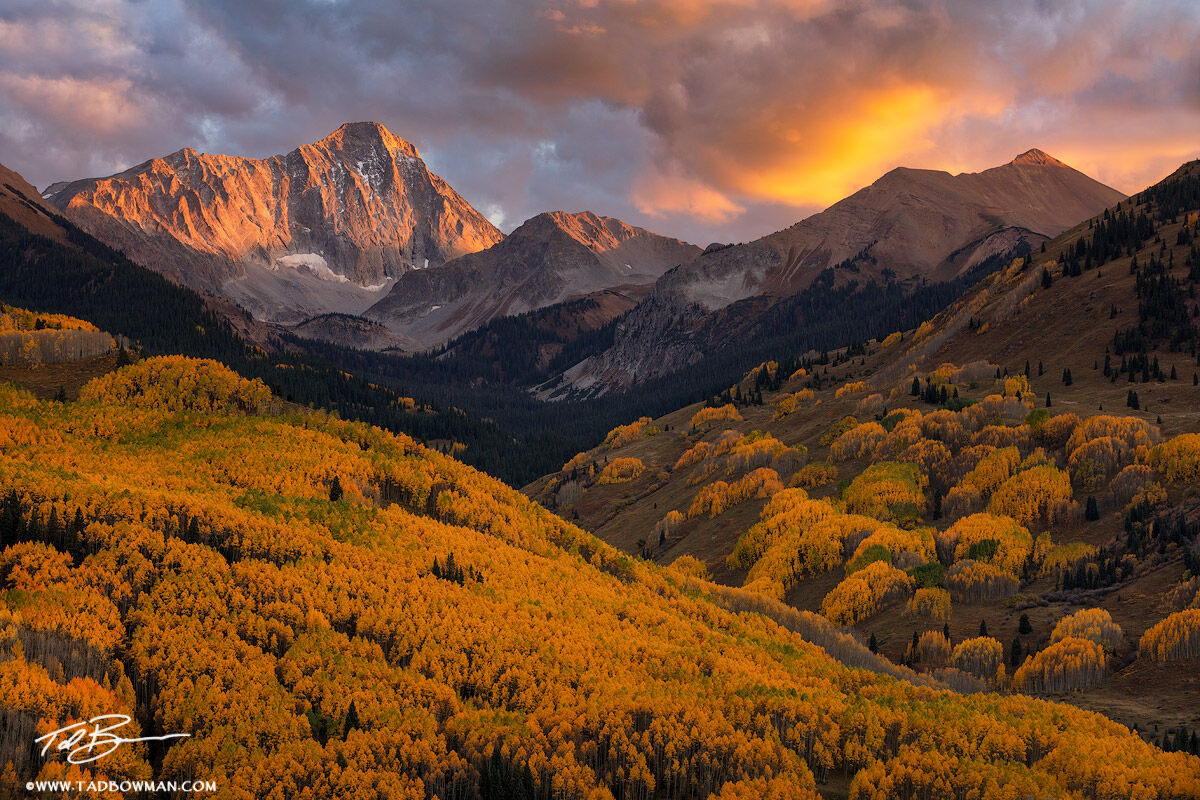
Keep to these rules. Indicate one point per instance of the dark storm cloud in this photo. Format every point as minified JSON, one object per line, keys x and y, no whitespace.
{"x":708,"y":119}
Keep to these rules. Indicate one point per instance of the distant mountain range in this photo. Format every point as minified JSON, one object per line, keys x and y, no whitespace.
{"x":353,"y":241}
{"x":354,"y":224}
{"x":911,"y":226}
{"x":547,"y":260}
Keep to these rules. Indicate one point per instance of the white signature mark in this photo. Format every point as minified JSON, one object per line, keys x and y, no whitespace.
{"x":94,"y":739}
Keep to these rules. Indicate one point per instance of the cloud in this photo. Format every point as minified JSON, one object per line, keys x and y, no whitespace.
{"x":706,"y":119}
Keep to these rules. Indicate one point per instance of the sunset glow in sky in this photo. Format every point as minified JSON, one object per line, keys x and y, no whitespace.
{"x":712,"y":120}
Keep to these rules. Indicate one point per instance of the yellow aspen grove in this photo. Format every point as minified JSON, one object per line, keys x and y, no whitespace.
{"x":866,"y":593}
{"x":982,"y":657}
{"x":1176,"y":638}
{"x":621,"y":470}
{"x":1178,"y":459}
{"x":813,"y":475}
{"x":933,"y":650}
{"x":1041,"y":493}
{"x":624,"y":434}
{"x":1095,"y":624}
{"x":992,"y":539}
{"x":858,"y":442}
{"x":1068,"y":665}
{"x":930,"y":603}
{"x":707,"y":417}
{"x":974,"y":582}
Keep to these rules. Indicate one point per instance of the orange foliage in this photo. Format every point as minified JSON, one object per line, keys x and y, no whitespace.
{"x":1043,"y":492}
{"x":1176,"y":638}
{"x":1095,"y":624}
{"x":975,"y":582}
{"x":621,"y":470}
{"x":1068,"y":665}
{"x":624,"y":434}
{"x":931,"y":603}
{"x":858,"y":442}
{"x":175,"y":383}
{"x":707,"y":417}
{"x":982,"y":657}
{"x":718,"y":497}
{"x":865,"y":593}
{"x":1013,"y":548}
{"x":1178,"y":459}
{"x":813,"y":475}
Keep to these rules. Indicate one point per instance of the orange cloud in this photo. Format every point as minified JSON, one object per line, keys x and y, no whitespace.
{"x":664,"y":192}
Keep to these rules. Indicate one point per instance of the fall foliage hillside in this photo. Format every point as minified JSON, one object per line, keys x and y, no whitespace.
{"x":334,"y":611}
{"x":1026,"y":455}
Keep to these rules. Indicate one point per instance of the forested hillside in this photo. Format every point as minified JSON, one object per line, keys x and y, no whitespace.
{"x":75,"y":274}
{"x":1004,"y":497}
{"x":332,"y":610}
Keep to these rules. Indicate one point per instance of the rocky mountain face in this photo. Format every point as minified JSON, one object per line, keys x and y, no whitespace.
{"x":326,"y":228}
{"x":912,"y":225}
{"x":550,"y":258}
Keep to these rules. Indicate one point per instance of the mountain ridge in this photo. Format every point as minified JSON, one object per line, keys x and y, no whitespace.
{"x":551,"y":257}
{"x":910,"y":225}
{"x":324,"y":227}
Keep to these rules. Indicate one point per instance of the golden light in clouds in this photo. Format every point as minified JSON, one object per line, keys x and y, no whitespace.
{"x":854,"y":144}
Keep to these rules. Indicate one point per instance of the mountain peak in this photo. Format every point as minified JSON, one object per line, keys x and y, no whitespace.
{"x":352,"y":133}
{"x":1037,"y":158}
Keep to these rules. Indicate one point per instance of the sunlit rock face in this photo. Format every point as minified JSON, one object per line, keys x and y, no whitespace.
{"x":328,"y":227}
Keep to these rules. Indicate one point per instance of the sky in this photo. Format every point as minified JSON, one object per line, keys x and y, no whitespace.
{"x":709,"y":120}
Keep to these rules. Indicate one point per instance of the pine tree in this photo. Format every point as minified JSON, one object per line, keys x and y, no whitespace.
{"x":873,"y":645}
{"x":1041,"y":369}
{"x":1047,"y":400}
{"x":1024,"y":627}
{"x":946,"y":631}
{"x":1046,"y":279}
{"x":916,"y":387}
{"x":983,"y":627}
{"x":352,"y":723}
{"x":1066,"y":378}
{"x":1015,"y":653}
{"x":335,"y":490}
{"x":1093,"y":513}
